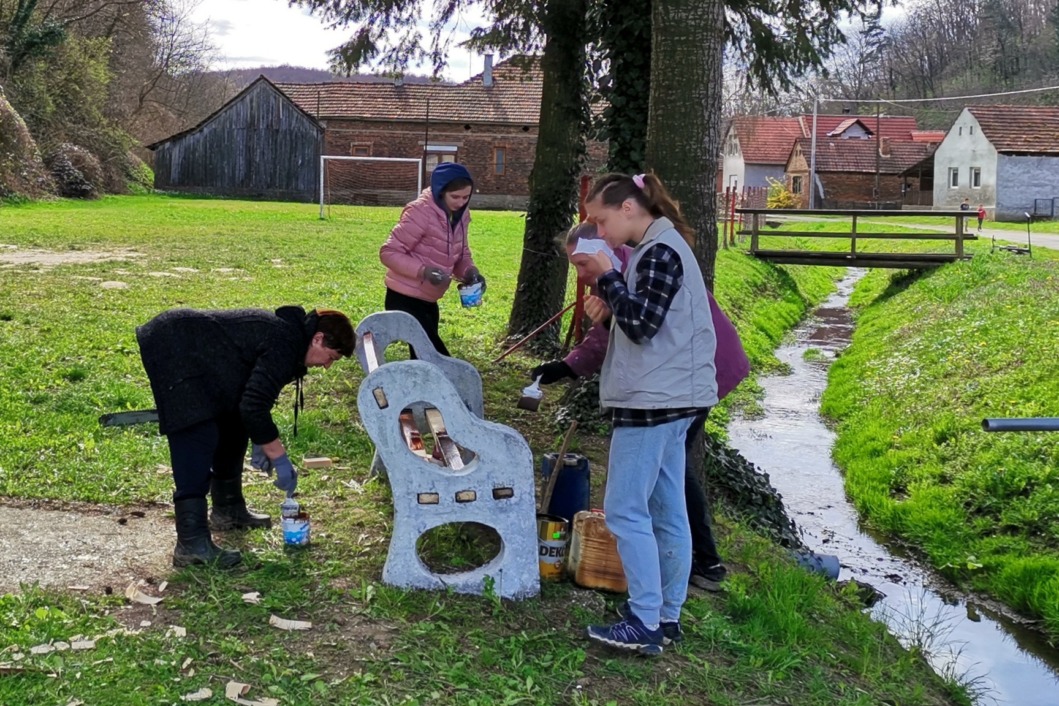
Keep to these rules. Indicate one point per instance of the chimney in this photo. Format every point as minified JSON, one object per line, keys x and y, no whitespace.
{"x":884,"y":146}
{"x":487,"y":73}
{"x":398,"y":80}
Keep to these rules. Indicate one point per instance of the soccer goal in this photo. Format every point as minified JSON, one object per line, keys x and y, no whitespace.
{"x":368,"y":181}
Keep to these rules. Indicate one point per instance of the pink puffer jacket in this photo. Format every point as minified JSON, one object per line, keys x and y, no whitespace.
{"x":422,"y":238}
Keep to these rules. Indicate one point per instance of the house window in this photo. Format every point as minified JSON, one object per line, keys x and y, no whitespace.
{"x":360,"y":150}
{"x":976,"y":177}
{"x":796,"y":185}
{"x":954,"y":177}
{"x":499,"y":160}
{"x":961,"y":130}
{"x":436,"y":154}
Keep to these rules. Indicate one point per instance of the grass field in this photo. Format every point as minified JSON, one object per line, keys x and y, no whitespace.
{"x":931,"y":357}
{"x":67,"y":351}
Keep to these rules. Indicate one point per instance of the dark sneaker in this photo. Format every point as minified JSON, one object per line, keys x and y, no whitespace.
{"x":708,"y":578}
{"x":630,"y":635}
{"x":671,"y":631}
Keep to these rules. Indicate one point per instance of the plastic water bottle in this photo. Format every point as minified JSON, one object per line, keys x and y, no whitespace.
{"x":295,"y":523}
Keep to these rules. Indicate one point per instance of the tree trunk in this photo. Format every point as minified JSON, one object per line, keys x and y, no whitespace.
{"x":626,"y":39}
{"x":684,"y":120}
{"x":553,"y":182}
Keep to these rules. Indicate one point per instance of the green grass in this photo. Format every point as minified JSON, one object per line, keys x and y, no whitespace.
{"x":931,"y":357}
{"x":68,"y":354}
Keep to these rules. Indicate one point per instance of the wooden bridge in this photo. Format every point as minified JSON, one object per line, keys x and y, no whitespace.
{"x":859,"y":253}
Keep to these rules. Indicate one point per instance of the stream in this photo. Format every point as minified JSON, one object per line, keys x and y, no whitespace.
{"x":962,"y":637}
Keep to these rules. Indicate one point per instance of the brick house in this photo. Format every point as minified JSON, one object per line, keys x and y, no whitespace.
{"x":1003,"y":156}
{"x":846,"y":171}
{"x":759,"y":148}
{"x":488,"y":123}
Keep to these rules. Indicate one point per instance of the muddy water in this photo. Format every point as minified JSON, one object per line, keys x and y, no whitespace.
{"x":961,"y":636}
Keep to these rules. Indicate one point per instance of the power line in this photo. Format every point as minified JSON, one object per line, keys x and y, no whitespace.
{"x":896,"y":101}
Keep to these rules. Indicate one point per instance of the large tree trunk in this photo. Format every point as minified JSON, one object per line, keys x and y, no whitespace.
{"x":553,"y":181}
{"x":684,"y":120}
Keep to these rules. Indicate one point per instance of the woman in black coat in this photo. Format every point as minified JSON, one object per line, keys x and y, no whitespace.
{"x":215,"y":376}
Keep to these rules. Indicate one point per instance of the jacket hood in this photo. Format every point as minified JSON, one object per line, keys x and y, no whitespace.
{"x":443,"y":175}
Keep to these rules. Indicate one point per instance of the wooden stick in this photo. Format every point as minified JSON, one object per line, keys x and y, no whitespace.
{"x":546,"y":497}
{"x":533,"y":333}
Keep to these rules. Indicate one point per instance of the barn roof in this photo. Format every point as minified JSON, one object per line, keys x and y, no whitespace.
{"x":214,"y":114}
{"x":859,"y":156}
{"x":514,"y":98}
{"x":1019,"y":128}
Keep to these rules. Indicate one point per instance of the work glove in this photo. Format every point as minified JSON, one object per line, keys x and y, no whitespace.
{"x":552,"y":372}
{"x":259,"y":460}
{"x":473,"y":276}
{"x":286,"y":476}
{"x":436,"y":276}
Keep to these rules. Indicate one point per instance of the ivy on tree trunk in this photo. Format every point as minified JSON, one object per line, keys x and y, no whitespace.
{"x":684,"y":119}
{"x":553,"y":184}
{"x":626,"y":43}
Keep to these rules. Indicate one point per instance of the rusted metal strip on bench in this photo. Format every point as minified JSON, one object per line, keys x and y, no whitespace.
{"x":449,"y":451}
{"x":411,"y":435}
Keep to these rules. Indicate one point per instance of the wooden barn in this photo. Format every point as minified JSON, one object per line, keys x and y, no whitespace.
{"x":259,"y":145}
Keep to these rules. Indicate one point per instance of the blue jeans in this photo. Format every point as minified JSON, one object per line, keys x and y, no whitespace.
{"x":648,"y":515}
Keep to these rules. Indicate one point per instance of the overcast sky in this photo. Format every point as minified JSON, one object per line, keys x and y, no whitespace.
{"x":251,"y":33}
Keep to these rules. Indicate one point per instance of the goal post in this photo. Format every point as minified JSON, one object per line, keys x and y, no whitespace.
{"x":384,"y":181}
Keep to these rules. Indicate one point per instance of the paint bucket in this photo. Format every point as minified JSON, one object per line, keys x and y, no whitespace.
{"x":294,"y":523}
{"x":551,"y":546}
{"x":572,"y":485}
{"x":594,"y":560}
{"x":470,"y":294}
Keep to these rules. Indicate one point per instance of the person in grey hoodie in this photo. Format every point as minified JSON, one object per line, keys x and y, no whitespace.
{"x":428,"y":248}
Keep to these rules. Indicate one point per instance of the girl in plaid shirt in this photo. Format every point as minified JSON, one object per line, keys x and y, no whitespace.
{"x":657,"y":377}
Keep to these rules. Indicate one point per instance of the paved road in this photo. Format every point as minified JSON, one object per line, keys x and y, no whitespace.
{"x":1043,"y":240}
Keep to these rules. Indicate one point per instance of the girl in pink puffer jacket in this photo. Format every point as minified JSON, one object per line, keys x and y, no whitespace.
{"x":428,"y":248}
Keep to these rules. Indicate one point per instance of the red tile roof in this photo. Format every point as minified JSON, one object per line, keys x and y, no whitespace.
{"x":1019,"y":128}
{"x":859,"y":156}
{"x":514,"y":98}
{"x":765,"y":140}
{"x":896,"y":127}
{"x":935,"y":136}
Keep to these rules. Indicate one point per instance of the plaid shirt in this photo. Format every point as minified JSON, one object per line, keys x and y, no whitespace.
{"x":640,"y":314}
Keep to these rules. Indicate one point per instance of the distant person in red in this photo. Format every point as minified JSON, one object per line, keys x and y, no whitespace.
{"x":981,"y":216}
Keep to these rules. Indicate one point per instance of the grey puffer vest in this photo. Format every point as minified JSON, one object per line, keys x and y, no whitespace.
{"x":675,"y":368}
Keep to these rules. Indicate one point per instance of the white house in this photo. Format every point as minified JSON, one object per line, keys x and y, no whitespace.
{"x":1003,"y":156}
{"x":756,"y":149}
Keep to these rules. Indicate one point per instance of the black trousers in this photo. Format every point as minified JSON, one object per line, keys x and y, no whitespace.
{"x":213,"y":448}
{"x":426,"y":313}
{"x":703,"y":546}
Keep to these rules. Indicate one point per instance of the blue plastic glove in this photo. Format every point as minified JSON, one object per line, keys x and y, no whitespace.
{"x":286,"y":476}
{"x":259,"y":460}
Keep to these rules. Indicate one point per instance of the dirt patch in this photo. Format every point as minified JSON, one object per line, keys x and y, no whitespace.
{"x":81,"y":545}
{"x":13,"y":256}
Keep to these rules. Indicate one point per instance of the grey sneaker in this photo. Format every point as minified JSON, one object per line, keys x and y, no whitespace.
{"x":708,"y":578}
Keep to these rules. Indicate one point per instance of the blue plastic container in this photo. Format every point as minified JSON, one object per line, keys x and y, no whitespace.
{"x":572,"y":488}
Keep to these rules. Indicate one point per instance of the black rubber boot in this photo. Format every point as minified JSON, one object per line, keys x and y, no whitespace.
{"x":229,"y":508}
{"x":194,"y":543}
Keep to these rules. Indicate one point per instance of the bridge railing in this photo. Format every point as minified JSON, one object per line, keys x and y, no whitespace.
{"x":757,"y":218}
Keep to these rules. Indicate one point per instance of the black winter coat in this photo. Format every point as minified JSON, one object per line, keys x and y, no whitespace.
{"x":206,"y":364}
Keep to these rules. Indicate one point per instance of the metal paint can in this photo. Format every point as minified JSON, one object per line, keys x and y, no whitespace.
{"x":294,"y":523}
{"x":552,"y":535}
